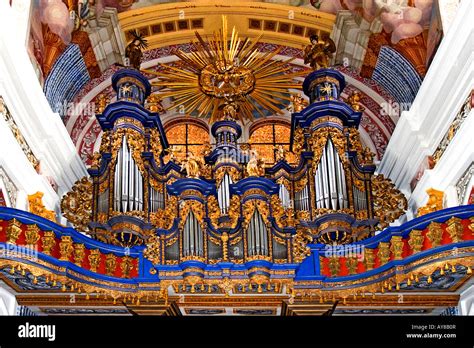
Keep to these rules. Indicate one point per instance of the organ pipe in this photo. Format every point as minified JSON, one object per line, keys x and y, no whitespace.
{"x":128,"y":181}
{"x":330,"y":180}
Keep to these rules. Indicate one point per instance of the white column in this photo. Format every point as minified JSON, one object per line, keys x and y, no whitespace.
{"x":8,"y":302}
{"x":466,"y":301}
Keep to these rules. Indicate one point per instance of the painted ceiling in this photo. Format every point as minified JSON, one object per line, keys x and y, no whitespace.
{"x":77,"y":45}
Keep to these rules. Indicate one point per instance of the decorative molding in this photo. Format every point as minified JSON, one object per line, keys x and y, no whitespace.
{"x":12,"y":190}
{"x":18,"y":135}
{"x":463,"y":182}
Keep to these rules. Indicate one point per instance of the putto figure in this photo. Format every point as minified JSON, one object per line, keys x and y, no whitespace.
{"x":318,"y":53}
{"x":134,"y":49}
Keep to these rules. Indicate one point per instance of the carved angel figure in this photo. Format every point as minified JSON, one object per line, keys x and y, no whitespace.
{"x":192,"y":165}
{"x":298,"y":103}
{"x":255,"y":165}
{"x":318,"y":53}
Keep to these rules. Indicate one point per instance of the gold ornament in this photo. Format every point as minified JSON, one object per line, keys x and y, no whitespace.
{"x":65,"y":248}
{"x":396,"y":247}
{"x":110,"y":264}
{"x":32,"y":235}
{"x":416,"y":241}
{"x":435,"y":202}
{"x":79,"y":253}
{"x":36,"y":206}
{"x":455,"y":229}
{"x":76,"y":205}
{"x":49,"y":241}
{"x":94,"y":260}
{"x":435,"y":234}
{"x":13,"y":231}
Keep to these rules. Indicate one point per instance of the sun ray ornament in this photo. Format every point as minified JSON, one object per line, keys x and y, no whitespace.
{"x":226,"y":77}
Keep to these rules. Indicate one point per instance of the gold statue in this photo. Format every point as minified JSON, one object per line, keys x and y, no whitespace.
{"x":318,"y":53}
{"x":298,"y":103}
{"x":133,"y":51}
{"x":255,"y":165}
{"x":192,"y":165}
{"x":354,"y":101}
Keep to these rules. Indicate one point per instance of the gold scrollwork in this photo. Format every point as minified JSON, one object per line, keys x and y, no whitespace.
{"x":152,"y":251}
{"x":389,"y":203}
{"x":300,"y":241}
{"x":163,"y":218}
{"x":76,"y":205}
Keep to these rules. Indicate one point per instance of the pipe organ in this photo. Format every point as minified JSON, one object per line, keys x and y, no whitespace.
{"x":222,"y":205}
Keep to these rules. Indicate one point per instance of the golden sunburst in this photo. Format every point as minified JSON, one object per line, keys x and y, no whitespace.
{"x":227,"y":77}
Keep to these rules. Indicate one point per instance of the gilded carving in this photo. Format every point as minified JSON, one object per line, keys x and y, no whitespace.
{"x":435,"y":234}
{"x":13,"y":231}
{"x":48,"y":241}
{"x":76,"y":205}
{"x":352,"y":264}
{"x":32,"y":235}
{"x":389,"y":203}
{"x":36,"y":206}
{"x":396,"y":247}
{"x":300,"y":241}
{"x":334,"y":266}
{"x":416,"y":241}
{"x":126,"y":266}
{"x":277,"y":211}
{"x":213,"y":211}
{"x":435,"y":202}
{"x":383,"y":253}
{"x":164,"y":218}
{"x":65,"y":248}
{"x":79,"y":254}
{"x":110,"y":264}
{"x":94,"y":259}
{"x":234,"y":211}
{"x":369,"y":259}
{"x":152,"y":251}
{"x":455,"y":229}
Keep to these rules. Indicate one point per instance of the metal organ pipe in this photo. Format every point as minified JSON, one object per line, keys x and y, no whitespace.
{"x":284,"y":196}
{"x":257,"y":236}
{"x":330,"y":180}
{"x":223,"y":193}
{"x":192,"y":237}
{"x":128,"y":181}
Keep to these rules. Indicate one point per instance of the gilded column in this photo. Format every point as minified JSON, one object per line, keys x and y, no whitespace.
{"x":369,"y":259}
{"x":79,"y":253}
{"x":48,"y":240}
{"x":94,"y":260}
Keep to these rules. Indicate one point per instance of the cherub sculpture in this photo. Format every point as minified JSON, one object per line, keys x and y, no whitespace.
{"x":318,"y":53}
{"x":192,"y":165}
